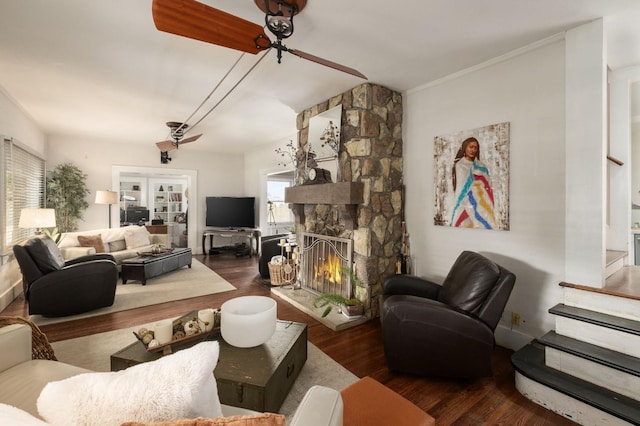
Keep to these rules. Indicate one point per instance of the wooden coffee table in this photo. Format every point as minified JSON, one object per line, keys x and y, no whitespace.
{"x":257,"y":378}
{"x":144,"y":267}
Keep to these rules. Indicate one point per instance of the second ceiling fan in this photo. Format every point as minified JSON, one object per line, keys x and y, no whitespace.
{"x":176,"y":137}
{"x":199,"y":21}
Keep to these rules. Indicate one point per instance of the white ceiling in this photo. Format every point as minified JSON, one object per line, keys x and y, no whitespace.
{"x":100,"y":69}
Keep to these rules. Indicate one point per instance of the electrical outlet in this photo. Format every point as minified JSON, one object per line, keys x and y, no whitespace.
{"x":515,"y":318}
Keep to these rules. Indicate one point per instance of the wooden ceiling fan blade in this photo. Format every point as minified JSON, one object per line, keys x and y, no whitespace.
{"x":165,"y":145}
{"x":190,"y":139}
{"x":189,"y":18}
{"x":326,"y":63}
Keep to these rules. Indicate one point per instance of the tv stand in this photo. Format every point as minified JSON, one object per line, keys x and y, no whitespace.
{"x":249,"y":233}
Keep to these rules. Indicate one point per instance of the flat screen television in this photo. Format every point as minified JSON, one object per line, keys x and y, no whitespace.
{"x":231,"y":212}
{"x":134,"y":215}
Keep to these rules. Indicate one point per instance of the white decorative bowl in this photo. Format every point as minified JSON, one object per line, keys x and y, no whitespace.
{"x":248,"y":321}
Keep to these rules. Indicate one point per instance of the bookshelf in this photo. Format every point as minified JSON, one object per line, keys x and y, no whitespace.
{"x":169,"y":203}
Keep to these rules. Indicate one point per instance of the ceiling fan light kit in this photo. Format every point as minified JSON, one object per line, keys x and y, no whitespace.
{"x":191,"y":19}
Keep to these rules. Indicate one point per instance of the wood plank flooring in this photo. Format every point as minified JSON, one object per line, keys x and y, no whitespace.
{"x":488,"y":401}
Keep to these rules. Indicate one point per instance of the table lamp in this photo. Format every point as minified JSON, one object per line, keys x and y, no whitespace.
{"x":107,"y":197}
{"x":37,"y":218}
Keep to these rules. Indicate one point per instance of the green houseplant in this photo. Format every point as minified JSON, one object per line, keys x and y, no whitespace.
{"x":352,"y":306}
{"x":66,"y":192}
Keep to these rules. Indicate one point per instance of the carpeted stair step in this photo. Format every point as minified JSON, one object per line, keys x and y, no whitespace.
{"x":530,"y":362}
{"x":608,"y":331}
{"x":614,"y":370}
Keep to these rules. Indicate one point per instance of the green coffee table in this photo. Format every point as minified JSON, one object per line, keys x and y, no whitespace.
{"x":257,"y":378}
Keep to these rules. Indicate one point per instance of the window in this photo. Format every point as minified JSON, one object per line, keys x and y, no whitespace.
{"x":279,"y":215}
{"x":22,"y":185}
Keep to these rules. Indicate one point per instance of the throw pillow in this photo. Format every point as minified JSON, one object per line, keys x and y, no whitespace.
{"x":94,"y":241}
{"x":137,"y":236}
{"x":173,"y":387}
{"x":117,"y":245}
{"x":265,"y":419}
{"x":10,"y":415}
{"x":45,"y":253}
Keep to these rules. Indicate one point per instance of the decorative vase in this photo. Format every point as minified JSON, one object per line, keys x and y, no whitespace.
{"x":248,"y":321}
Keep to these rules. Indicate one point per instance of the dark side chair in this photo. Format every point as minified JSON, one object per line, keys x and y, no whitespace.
{"x":447,"y":330}
{"x":56,"y":288}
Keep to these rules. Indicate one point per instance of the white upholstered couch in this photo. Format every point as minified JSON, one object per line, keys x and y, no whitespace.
{"x":22,"y":381}
{"x":122,"y":243}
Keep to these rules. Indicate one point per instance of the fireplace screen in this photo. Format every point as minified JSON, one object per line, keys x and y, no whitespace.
{"x":324,"y":264}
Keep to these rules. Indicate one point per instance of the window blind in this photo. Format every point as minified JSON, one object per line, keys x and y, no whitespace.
{"x":23,"y":186}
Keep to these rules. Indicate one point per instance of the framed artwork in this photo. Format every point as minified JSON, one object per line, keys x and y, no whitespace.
{"x":471,"y":178}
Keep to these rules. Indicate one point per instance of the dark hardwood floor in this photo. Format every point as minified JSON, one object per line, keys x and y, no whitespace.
{"x":488,"y":401}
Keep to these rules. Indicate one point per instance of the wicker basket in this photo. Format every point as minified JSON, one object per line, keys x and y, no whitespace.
{"x":282,"y":274}
{"x":40,"y":347}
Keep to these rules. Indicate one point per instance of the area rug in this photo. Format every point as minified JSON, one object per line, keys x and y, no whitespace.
{"x":92,"y":352}
{"x":183,"y":283}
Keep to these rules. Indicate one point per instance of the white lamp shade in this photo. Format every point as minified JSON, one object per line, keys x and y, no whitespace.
{"x":106,"y":197}
{"x":37,"y":218}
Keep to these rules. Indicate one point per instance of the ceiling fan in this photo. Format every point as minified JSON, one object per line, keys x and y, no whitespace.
{"x":177,"y":134}
{"x":198,"y":21}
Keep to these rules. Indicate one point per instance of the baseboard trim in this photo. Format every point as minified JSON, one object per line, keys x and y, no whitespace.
{"x":511,"y":339}
{"x":10,"y":294}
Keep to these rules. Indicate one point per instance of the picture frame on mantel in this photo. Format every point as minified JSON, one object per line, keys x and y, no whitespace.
{"x":471,"y":178}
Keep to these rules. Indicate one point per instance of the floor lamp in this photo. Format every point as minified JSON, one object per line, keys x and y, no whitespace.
{"x":107,"y":197}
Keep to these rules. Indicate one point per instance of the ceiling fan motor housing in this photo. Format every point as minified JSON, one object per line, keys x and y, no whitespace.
{"x":279,"y":15}
{"x":177,"y":129}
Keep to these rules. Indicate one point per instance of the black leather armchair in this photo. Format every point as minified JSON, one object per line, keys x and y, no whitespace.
{"x":268,"y":248}
{"x":446,"y":331}
{"x":55,"y":288}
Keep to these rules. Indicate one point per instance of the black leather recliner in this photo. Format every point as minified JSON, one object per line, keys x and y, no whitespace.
{"x":56,"y":288}
{"x":446,"y":331}
{"x":268,"y":248}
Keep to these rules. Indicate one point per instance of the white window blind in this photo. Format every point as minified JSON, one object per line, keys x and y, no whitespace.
{"x":23,"y":186}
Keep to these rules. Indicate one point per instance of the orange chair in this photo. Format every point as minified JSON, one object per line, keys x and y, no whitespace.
{"x":368,"y":402}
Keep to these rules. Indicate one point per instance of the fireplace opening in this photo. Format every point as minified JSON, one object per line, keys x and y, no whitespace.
{"x":325,"y":263}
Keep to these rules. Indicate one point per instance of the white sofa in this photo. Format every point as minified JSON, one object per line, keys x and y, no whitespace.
{"x":122,"y":242}
{"x":22,"y":380}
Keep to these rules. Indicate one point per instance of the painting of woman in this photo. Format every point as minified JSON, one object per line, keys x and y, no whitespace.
{"x":473,"y":195}
{"x":471,"y":178}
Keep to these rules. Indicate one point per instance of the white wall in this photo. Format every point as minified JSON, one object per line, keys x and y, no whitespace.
{"x":526,"y":90}
{"x":15,"y":123}
{"x":218,"y":174}
{"x":585,"y":145}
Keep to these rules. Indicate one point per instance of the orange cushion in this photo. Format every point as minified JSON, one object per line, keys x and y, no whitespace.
{"x":94,"y":241}
{"x":368,"y":402}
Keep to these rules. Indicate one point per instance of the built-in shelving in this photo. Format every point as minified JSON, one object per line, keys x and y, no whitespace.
{"x":168,"y":202}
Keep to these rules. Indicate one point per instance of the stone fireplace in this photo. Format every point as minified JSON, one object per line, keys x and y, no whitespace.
{"x":366,"y":206}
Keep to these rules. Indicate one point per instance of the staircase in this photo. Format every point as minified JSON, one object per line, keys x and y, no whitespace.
{"x":588,"y":368}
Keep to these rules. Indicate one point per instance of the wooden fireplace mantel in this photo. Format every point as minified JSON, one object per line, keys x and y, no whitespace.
{"x":346,"y":195}
{"x":326,"y":193}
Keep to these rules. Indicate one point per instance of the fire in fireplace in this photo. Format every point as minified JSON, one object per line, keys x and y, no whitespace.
{"x":324,"y":262}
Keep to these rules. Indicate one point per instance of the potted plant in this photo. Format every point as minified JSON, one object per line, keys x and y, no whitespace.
{"x":66,"y":192}
{"x":349,"y":307}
